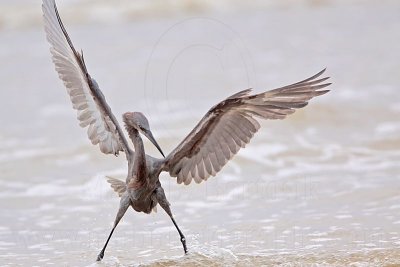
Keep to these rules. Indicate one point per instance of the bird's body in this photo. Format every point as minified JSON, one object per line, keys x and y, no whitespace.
{"x":226,"y":127}
{"x":142,"y":178}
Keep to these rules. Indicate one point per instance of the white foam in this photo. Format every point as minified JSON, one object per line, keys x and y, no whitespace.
{"x":323,"y":239}
{"x":343,"y":216}
{"x":27,"y":153}
{"x":388,"y":128}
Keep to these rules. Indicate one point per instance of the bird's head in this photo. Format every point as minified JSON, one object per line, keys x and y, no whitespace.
{"x":139,"y":122}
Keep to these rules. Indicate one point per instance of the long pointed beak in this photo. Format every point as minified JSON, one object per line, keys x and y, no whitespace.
{"x":150,"y":136}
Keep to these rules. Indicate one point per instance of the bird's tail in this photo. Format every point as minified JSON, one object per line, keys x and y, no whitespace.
{"x":116,"y":184}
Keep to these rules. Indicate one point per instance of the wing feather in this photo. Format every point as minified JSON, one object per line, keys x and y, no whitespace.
{"x":118,"y":185}
{"x":92,"y":110}
{"x":230,"y":125}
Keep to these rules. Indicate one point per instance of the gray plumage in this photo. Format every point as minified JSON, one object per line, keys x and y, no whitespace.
{"x":227,"y":127}
{"x":92,"y":110}
{"x":231,"y":124}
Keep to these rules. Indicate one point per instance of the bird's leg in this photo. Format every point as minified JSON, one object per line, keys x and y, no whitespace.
{"x":183,"y":239}
{"x":123,"y":206}
{"x":162,"y":200}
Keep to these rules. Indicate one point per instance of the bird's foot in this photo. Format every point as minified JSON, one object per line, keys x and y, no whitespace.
{"x":183,"y":240}
{"x":100,"y":256}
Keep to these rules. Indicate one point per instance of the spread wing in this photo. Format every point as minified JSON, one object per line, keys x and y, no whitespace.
{"x":93,"y":111}
{"x":231,"y":124}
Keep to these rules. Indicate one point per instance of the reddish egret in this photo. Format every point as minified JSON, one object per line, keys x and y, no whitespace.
{"x":227,"y":127}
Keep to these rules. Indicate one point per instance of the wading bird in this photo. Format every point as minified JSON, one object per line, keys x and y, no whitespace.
{"x":226,"y":127}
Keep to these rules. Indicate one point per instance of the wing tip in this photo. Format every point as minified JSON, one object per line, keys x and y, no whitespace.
{"x":319,"y":74}
{"x":321,"y":86}
{"x":322,"y":92}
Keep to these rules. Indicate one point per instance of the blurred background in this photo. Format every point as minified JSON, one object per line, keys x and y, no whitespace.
{"x":321,"y":187}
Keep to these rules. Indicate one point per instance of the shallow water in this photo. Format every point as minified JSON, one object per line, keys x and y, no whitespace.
{"x":321,"y":188}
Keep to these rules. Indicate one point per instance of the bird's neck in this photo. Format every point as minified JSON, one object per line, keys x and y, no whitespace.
{"x":139,"y":162}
